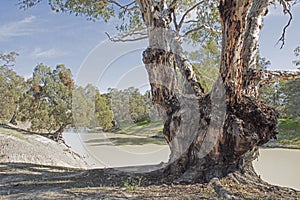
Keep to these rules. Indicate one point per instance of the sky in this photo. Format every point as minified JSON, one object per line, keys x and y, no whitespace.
{"x":42,"y":36}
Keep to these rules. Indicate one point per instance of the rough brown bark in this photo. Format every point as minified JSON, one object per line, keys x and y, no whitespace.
{"x":215,"y":134}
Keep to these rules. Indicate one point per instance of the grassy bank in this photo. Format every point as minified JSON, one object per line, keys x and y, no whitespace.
{"x":288,"y":137}
{"x":151,"y":132}
{"x":289,"y":133}
{"x":144,"y":128}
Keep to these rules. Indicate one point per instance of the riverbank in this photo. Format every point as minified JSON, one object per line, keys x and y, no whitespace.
{"x":40,"y":181}
{"x":17,"y":147}
{"x":278,"y":166}
{"x":29,"y":181}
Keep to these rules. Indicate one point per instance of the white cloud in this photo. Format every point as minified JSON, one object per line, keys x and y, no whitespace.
{"x":17,"y":28}
{"x":49,"y":53}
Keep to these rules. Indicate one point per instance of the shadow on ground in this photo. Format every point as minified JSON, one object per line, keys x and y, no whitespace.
{"x":118,"y":141}
{"x":30,"y":181}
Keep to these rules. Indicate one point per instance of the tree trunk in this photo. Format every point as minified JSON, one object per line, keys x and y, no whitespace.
{"x":215,"y":134}
{"x":57,"y":135}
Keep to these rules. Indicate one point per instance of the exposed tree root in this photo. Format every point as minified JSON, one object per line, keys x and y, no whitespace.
{"x":220,"y":190}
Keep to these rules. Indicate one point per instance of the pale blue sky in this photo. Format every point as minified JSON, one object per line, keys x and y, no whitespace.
{"x":40,"y":35}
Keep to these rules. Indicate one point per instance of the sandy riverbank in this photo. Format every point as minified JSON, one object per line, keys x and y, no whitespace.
{"x":276,"y":166}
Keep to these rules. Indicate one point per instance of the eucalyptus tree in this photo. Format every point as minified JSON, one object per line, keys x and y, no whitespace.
{"x":103,"y":112}
{"x":210,"y":133}
{"x":12,"y":86}
{"x":47,"y":104}
{"x":120,"y":106}
{"x":292,"y":92}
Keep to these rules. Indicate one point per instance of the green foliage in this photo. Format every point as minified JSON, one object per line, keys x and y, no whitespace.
{"x":284,"y":96}
{"x":262,"y":63}
{"x":188,"y":16}
{"x":153,"y":131}
{"x":82,"y":108}
{"x":90,"y":109}
{"x":11,"y":87}
{"x":133,"y":183}
{"x":48,"y":102}
{"x":120,"y":106}
{"x":103,"y":113}
{"x":297,"y":53}
{"x":292,"y":92}
{"x":142,"y":123}
{"x":274,"y":95}
{"x":138,"y":108}
{"x":206,"y":14}
{"x":8,"y":60}
{"x":289,"y":132}
{"x":93,"y":9}
{"x":206,"y":62}
{"x":129,"y":106}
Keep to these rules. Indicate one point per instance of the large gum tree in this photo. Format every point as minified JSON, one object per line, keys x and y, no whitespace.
{"x":210,"y":133}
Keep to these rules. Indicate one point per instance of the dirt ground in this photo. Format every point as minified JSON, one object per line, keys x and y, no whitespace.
{"x":20,"y":179}
{"x":29,"y":181}
{"x":29,"y":148}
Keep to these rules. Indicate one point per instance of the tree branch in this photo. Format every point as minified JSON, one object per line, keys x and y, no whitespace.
{"x":175,"y":21}
{"x":124,"y":39}
{"x":202,"y":27}
{"x":268,"y":77}
{"x":190,"y":21}
{"x":186,"y":13}
{"x":286,"y":10}
{"x":252,"y":33}
{"x":124,"y":7}
{"x":172,"y":6}
{"x":220,"y":190}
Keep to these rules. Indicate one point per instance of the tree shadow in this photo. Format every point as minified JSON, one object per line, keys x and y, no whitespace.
{"x":20,"y":180}
{"x":118,"y":141}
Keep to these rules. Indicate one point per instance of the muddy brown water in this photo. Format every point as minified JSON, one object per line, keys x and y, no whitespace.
{"x":102,"y":150}
{"x":279,"y":166}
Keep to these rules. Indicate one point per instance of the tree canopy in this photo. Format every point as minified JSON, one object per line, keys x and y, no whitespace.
{"x":12,"y":87}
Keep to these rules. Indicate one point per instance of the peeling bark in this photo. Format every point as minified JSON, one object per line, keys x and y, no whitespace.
{"x":249,"y":53}
{"x":268,"y":77}
{"x":215,"y":134}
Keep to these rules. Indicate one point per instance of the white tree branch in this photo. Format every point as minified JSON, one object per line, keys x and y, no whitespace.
{"x":252,"y":33}
{"x":268,"y":77}
{"x":186,"y":13}
{"x":127,"y":38}
{"x":200,"y":28}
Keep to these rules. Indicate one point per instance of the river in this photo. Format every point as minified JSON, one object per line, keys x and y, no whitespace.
{"x":279,"y":166}
{"x":276,"y":166}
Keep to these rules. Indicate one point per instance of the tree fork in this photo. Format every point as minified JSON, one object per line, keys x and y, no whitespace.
{"x":215,"y":134}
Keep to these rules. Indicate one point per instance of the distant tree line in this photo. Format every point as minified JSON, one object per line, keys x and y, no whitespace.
{"x":284,"y":95}
{"x":48,"y":102}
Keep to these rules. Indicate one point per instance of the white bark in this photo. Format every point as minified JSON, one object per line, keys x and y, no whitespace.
{"x":252,"y":33}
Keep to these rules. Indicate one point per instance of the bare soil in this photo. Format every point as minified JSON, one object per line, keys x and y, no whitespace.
{"x":28,"y":180}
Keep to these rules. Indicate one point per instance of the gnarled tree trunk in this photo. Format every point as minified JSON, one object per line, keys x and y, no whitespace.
{"x":210,"y":135}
